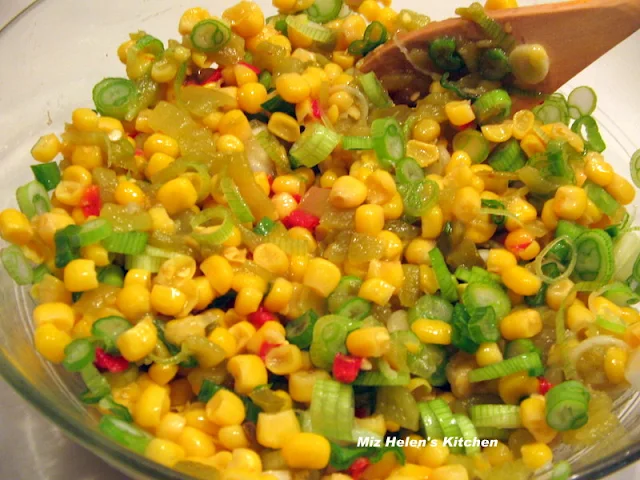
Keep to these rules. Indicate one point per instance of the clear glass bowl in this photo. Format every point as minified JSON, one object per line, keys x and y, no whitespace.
{"x":54,"y":52}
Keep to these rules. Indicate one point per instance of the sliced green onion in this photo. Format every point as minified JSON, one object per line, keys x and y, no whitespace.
{"x":445,"y":280}
{"x":210,"y":35}
{"x":483,"y":326}
{"x":264,"y":226}
{"x":374,"y":90}
{"x":588,"y":129}
{"x":582,"y":101}
{"x":125,"y":433}
{"x":108,"y":329}
{"x":561,"y":471}
{"x":558,"y":160}
{"x":323,"y":11}
{"x":388,"y":141}
{"x":476,"y":275}
{"x":397,"y":405}
{"x":355,"y":309}
{"x":375,"y":35}
{"x":279,"y":22}
{"x":443,"y":54}
{"x":329,"y":336}
{"x":429,"y":422}
{"x":493,"y":433}
{"x":379,"y":379}
{"x":129,"y":243}
{"x":314,"y":145}
{"x":212,"y":235}
{"x":33,"y":199}
{"x":119,"y":411}
{"x":567,"y":406}
{"x":611,"y":322}
{"x":595,"y":260}
{"x":357,"y":143}
{"x":266,"y":80}
{"x":492,"y":107}
{"x":347,"y":289}
{"x":519,"y":347}
{"x":236,"y":203}
{"x":447,"y":422}
{"x":332,"y":409}
{"x":497,"y":416}
{"x":300,"y":330}
{"x":67,"y":245}
{"x":635,"y":168}
{"x":111,"y":275}
{"x":603,"y":199}
{"x":620,"y":293}
{"x":494,"y":64}
{"x":455,"y":88}
{"x":477,"y":14}
{"x":144,"y":262}
{"x":469,"y":434}
{"x":312,"y":30}
{"x":97,"y":385}
{"x":460,"y":336}
{"x":48,"y":174}
{"x":278,"y":104}
{"x":16,"y":265}
{"x":571,"y":231}
{"x":78,"y":354}
{"x":94,"y":231}
{"x":474,"y":143}
{"x":419,"y":197}
{"x":497,"y":206}
{"x":409,"y":171}
{"x":520,"y":363}
{"x":431,"y":306}
{"x":478,"y":295}
{"x":207,"y":390}
{"x":39,"y":272}
{"x":549,"y":113}
{"x":114,"y":97}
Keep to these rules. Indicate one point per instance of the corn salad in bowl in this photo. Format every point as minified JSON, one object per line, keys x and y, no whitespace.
{"x":264,"y":263}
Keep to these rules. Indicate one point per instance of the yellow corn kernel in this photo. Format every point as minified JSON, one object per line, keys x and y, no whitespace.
{"x":425,"y":154}
{"x":621,"y":189}
{"x":558,"y":292}
{"x":80,"y":275}
{"x":459,"y":112}
{"x":369,"y":342}
{"x":531,"y":144}
{"x":190,"y":18}
{"x":139,"y":341}
{"x":232,"y":437}
{"x":248,"y":301}
{"x":245,"y":460}
{"x":488,"y":354}
{"x":498,"y":455}
{"x":235,"y":122}
{"x":570,"y":202}
{"x":498,"y":133}
{"x":524,"y":212}
{"x":158,"y":161}
{"x":50,"y":342}
{"x":245,"y":76}
{"x":15,"y":227}
{"x":167,"y":300}
{"x":271,"y":332}
{"x":134,"y":301}
{"x":500,"y":4}
{"x":369,"y":219}
{"x":87,"y":156}
{"x":390,"y":271}
{"x":306,"y":450}
{"x":392,"y":245}
{"x":162,"y":374}
{"x":275,"y":429}
{"x":248,"y":280}
{"x":279,"y":296}
{"x":514,"y":387}
{"x":225,"y":340}
{"x":293,"y":87}
{"x":615,"y":364}
{"x":432,"y":223}
{"x":128,"y":192}
{"x":597,"y":169}
{"x":434,"y":454}
{"x":59,"y":314}
{"x":284,"y":204}
{"x":77,"y":174}
{"x":69,"y":193}
{"x":381,"y":187}
{"x":288,"y":184}
{"x":205,"y":293}
{"x":219,"y":272}
{"x":170,"y":426}
{"x":524,"y":323}
{"x":387,"y":17}
{"x":370,"y":9}
{"x":432,"y":331}
{"x":196,"y":443}
{"x":521,"y":281}
{"x":165,"y":452}
{"x":272,"y":258}
{"x":347,"y":192}
{"x":500,"y":259}
{"x":138,"y":276}
{"x":225,"y":408}
{"x":629,"y":315}
{"x":152,"y":405}
{"x":428,"y":280}
{"x":46,"y":148}
{"x":321,"y":276}
{"x":467,"y":204}
{"x":109,"y":124}
{"x":376,"y":290}
{"x":84,"y":119}
{"x":297,"y":267}
{"x":284,"y":126}
{"x":301,"y":384}
{"x":177,"y":195}
{"x":426,"y":130}
{"x":417,"y":252}
{"x":248,"y":372}
{"x":246,"y":18}
{"x":536,"y":455}
{"x":533,"y":415}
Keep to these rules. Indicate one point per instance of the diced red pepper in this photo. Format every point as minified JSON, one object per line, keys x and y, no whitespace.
{"x":300,"y":218}
{"x":358,"y":467}
{"x":261,"y":316}
{"x":215,"y":77}
{"x":346,"y":367}
{"x":297,"y":197}
{"x":465,"y":126}
{"x":544,"y":385}
{"x":361,"y":412}
{"x":111,"y":363}
{"x":255,"y":69}
{"x":139,"y":152}
{"x":315,"y":107}
{"x":265,"y":348}
{"x":91,"y":202}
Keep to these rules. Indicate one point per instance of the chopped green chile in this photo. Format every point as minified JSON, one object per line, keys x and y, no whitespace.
{"x":442,"y":52}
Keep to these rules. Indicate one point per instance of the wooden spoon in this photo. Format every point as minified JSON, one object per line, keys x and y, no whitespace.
{"x":575,"y":34}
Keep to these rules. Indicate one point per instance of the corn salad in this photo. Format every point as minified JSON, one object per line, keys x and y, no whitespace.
{"x":261,"y":258}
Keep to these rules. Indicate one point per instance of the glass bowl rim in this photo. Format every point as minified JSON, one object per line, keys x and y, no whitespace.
{"x":112,"y":452}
